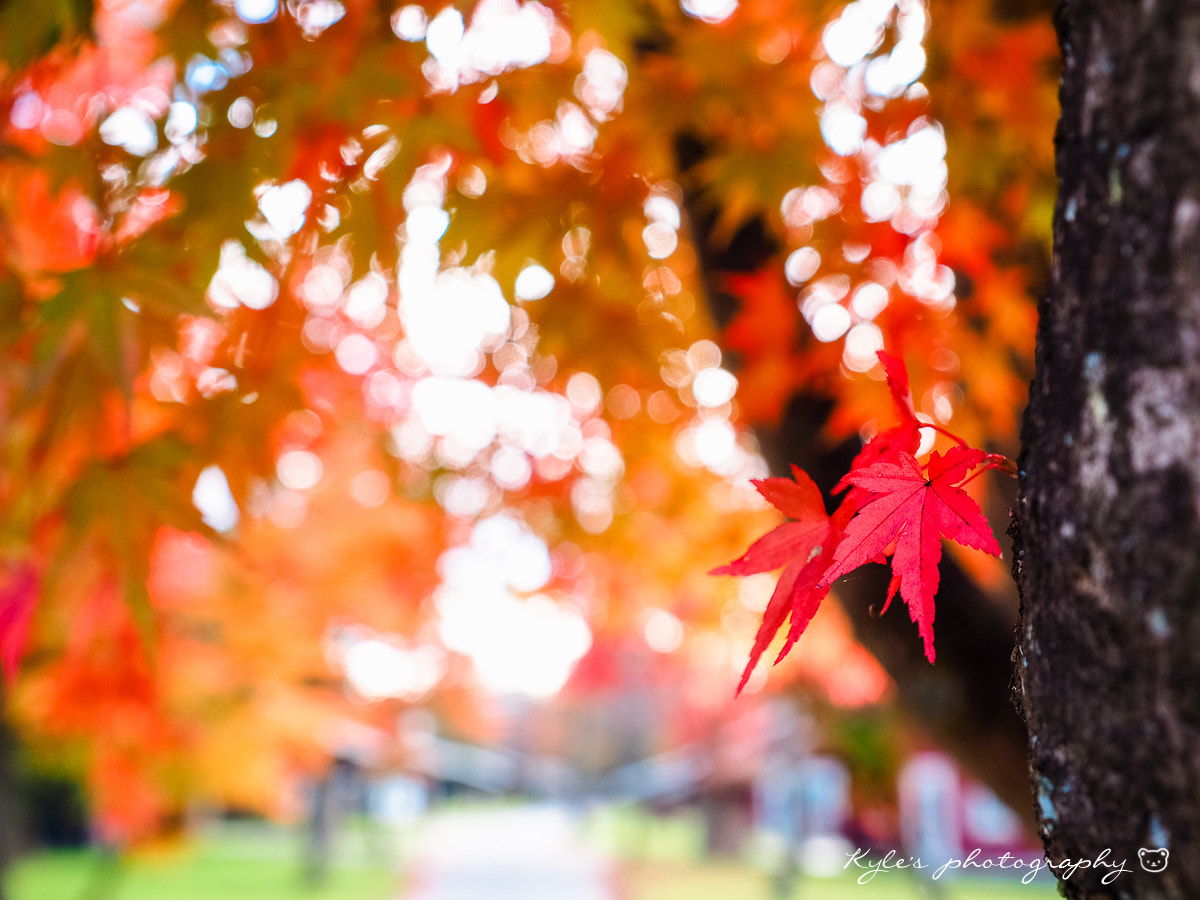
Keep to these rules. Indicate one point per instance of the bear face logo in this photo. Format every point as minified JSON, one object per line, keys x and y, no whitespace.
{"x":1153,"y":860}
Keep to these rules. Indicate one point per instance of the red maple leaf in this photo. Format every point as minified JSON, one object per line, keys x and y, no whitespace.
{"x":897,"y":508}
{"x":804,"y":545}
{"x":914,"y":508}
{"x":905,"y":437}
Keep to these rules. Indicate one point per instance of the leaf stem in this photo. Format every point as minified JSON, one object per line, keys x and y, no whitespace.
{"x":946,"y":431}
{"x":992,"y":461}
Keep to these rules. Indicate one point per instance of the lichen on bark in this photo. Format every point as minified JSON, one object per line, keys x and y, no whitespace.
{"x":1107,"y":667}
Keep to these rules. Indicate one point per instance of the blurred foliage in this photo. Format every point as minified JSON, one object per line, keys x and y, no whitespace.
{"x":161,"y":315}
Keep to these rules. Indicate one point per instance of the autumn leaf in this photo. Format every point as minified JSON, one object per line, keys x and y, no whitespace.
{"x":898,"y":507}
{"x":800,"y":500}
{"x":915,"y":508}
{"x":797,"y":595}
{"x":902,"y":438}
{"x":897,"y":379}
{"x":803,"y":545}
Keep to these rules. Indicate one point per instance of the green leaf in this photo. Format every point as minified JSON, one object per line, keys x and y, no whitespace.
{"x":165,"y":274}
{"x":12,"y":308}
{"x":28,"y":31}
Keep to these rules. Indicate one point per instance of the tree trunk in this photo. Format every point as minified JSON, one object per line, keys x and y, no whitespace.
{"x":10,"y":801}
{"x":1108,"y":656}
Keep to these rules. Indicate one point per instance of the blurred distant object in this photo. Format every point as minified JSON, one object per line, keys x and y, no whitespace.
{"x":944,"y":815}
{"x":808,"y":806}
{"x":519,"y":853}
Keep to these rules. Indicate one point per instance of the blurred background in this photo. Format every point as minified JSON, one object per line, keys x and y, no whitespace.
{"x":381,"y":382}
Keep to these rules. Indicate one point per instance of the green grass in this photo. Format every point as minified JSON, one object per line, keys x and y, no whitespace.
{"x":629,"y":833}
{"x":244,"y":862}
{"x":662,"y":859}
{"x":665,"y":880}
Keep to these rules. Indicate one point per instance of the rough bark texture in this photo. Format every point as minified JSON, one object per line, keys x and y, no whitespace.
{"x":1108,"y":659}
{"x":9,"y":804}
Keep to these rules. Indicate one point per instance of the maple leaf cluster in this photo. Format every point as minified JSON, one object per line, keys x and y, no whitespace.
{"x":894,"y":506}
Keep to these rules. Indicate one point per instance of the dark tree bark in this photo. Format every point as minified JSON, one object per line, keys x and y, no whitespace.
{"x":1108,"y":657}
{"x":10,"y":808}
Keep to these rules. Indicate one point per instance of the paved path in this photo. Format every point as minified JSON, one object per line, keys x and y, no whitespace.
{"x":519,"y":853}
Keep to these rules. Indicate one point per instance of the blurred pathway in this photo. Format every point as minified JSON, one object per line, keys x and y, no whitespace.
{"x":522,"y":853}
